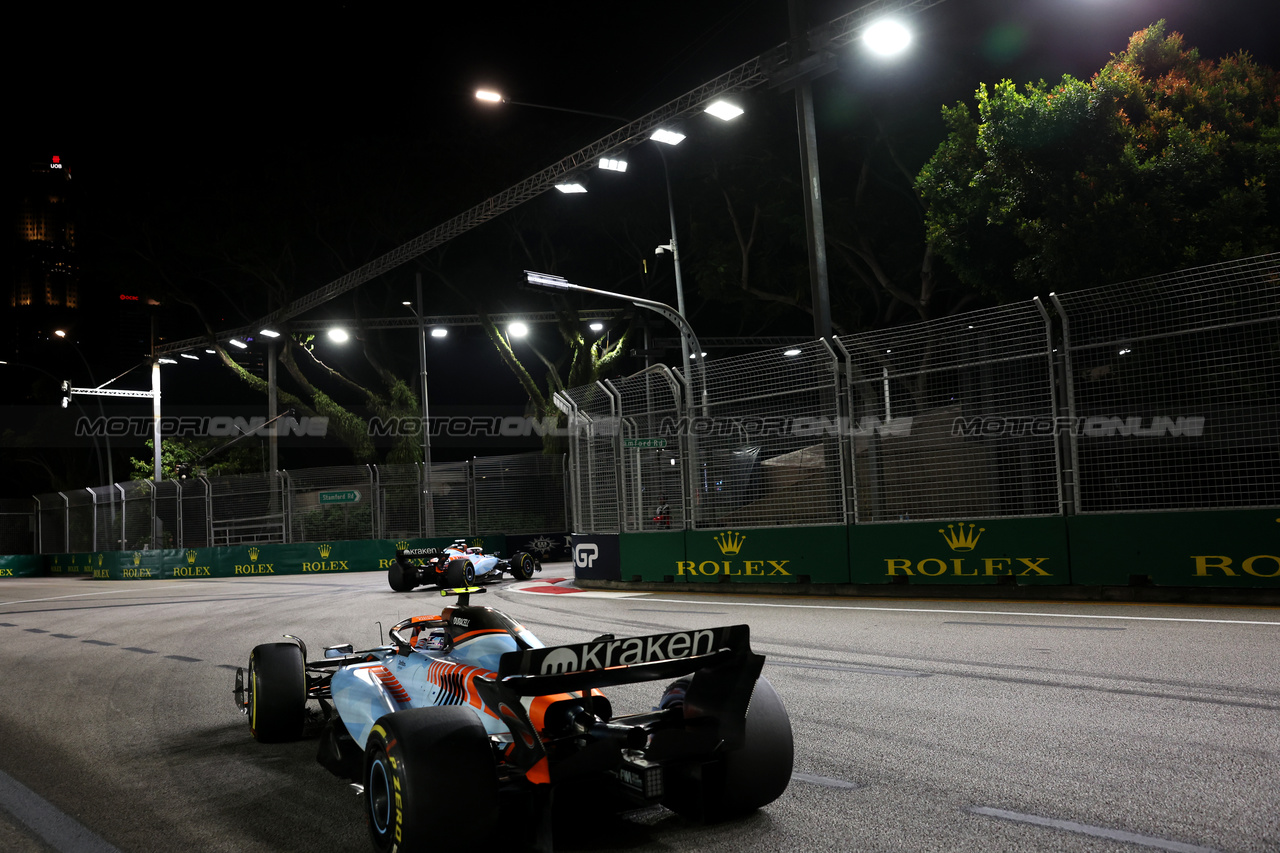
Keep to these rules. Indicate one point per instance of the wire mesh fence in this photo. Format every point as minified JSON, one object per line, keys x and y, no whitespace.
{"x":1159,"y":394}
{"x":520,"y":493}
{"x":954,"y":417}
{"x":652,"y":456}
{"x":17,"y":526}
{"x":1174,"y":389}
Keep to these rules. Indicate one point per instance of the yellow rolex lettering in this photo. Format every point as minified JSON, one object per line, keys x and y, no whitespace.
{"x":1248,"y":565}
{"x":958,"y":567}
{"x":920,"y":566}
{"x":728,"y":570}
{"x":8,"y":573}
{"x":715,"y":567}
{"x":1203,"y":565}
{"x":753,"y":567}
{"x":683,"y":566}
{"x":777,"y":567}
{"x":1033,"y":566}
{"x":994,"y":564}
{"x":904,"y":565}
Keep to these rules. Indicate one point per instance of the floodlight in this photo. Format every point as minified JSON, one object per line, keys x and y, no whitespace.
{"x":724,"y":110}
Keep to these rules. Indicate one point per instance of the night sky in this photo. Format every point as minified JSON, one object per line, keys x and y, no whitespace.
{"x":152,"y":105}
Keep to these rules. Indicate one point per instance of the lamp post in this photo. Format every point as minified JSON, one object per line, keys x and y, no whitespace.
{"x":721,"y":109}
{"x":101,"y":412}
{"x":428,"y":508}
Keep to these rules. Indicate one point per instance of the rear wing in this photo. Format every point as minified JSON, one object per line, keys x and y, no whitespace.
{"x":606,"y":661}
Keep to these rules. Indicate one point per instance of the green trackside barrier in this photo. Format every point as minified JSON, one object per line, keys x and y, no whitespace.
{"x":763,"y":555}
{"x":651,"y":556}
{"x":992,"y":551}
{"x":310,"y":558}
{"x":21,"y":566}
{"x":1228,"y":548}
{"x":69,"y":564}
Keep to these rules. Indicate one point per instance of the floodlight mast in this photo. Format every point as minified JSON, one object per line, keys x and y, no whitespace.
{"x":772,"y":66}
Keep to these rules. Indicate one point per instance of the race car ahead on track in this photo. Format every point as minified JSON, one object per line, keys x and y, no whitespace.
{"x":455,"y":566}
{"x":465,"y":725}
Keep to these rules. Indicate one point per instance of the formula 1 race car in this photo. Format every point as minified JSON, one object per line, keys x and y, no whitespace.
{"x":455,"y":566}
{"x":465,"y":725}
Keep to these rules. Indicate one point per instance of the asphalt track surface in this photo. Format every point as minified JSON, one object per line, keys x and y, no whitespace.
{"x":919,"y":725}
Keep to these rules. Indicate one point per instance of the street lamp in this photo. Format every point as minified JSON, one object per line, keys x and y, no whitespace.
{"x":428,"y":508}
{"x":720,"y":108}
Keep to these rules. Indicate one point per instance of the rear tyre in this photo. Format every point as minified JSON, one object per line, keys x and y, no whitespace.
{"x":419,"y":765}
{"x":400,"y":579}
{"x":277,"y":692}
{"x":752,"y":776}
{"x":459,"y":572}
{"x":522,"y":566}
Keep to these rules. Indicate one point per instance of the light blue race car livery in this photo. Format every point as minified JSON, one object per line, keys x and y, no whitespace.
{"x":457,"y":565}
{"x":465,"y":725}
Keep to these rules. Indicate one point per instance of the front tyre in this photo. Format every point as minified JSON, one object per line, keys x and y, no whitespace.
{"x":419,"y":765}
{"x":401,"y":579}
{"x":522,"y":566}
{"x":459,"y":573}
{"x":277,"y":692}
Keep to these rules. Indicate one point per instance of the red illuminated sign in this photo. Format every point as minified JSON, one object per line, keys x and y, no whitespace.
{"x":127,"y":298}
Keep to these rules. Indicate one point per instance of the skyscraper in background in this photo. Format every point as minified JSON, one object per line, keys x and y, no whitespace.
{"x":47,"y":274}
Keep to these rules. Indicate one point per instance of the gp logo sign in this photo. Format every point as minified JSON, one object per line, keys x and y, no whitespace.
{"x":584,"y":554}
{"x":596,"y":556}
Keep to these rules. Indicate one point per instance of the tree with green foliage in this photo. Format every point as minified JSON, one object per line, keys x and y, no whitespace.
{"x":178,"y":454}
{"x":1162,"y":160}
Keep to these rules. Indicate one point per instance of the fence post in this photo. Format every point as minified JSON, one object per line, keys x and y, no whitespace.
{"x":1069,"y":491}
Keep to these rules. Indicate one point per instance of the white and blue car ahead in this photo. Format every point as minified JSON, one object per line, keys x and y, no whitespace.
{"x":465,"y":728}
{"x":455,"y":566}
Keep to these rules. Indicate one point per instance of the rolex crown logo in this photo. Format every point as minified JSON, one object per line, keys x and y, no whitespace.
{"x":402,"y":544}
{"x":253,"y":553}
{"x":325,"y":549}
{"x":730,"y":542}
{"x":137,"y":558}
{"x":191,"y":557}
{"x":100,"y":556}
{"x":960,"y":540}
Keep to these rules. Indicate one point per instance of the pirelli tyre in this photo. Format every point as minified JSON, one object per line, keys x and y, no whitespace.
{"x":522,"y":566}
{"x":277,"y":697}
{"x":459,"y":573}
{"x":399,"y":578}
{"x":430,"y":781}
{"x":748,"y":778}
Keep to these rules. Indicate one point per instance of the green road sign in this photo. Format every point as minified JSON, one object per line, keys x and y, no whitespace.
{"x":348,"y":496}
{"x":629,"y":443}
